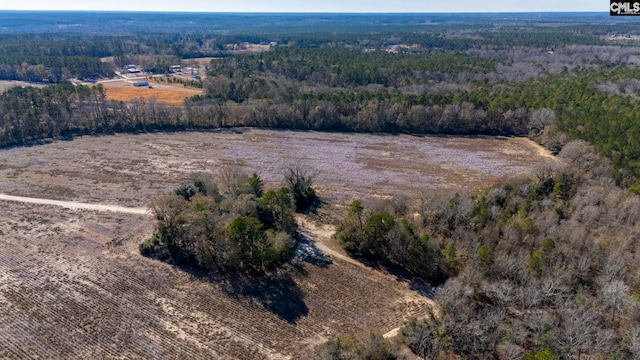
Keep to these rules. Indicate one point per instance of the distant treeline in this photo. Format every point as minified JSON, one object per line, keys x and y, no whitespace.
{"x":343,"y":68}
{"x":72,"y":51}
{"x":52,"y":69}
{"x":125,"y":23}
{"x":550,"y":110}
{"x":30,"y":114}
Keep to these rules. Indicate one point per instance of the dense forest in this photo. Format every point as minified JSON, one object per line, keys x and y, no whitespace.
{"x":542,"y":268}
{"x":538,"y":268}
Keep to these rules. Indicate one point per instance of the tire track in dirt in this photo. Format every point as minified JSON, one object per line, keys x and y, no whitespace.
{"x":542,"y":151}
{"x":76,"y":205}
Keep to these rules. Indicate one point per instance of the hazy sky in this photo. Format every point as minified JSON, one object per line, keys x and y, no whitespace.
{"x":311,"y":5}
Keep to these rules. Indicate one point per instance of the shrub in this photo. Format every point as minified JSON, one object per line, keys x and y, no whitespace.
{"x":421,"y":337}
{"x":186,"y":189}
{"x":153,"y":247}
{"x":545,"y":354}
{"x":300,"y":182}
{"x":384,"y":238}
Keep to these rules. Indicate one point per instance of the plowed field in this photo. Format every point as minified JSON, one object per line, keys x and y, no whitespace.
{"x":72,"y":284}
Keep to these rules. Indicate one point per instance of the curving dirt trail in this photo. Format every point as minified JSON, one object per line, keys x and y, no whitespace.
{"x":322,"y":235}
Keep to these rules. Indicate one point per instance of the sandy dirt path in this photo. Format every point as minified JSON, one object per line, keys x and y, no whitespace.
{"x":76,"y":205}
{"x":542,"y":151}
{"x":322,"y":234}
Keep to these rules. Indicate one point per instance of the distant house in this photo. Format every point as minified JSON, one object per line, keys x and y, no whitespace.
{"x":141,"y":83}
{"x":273,"y":43}
{"x":175,"y":68}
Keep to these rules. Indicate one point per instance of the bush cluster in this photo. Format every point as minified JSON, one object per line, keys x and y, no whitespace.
{"x":233,"y":225}
{"x":380,"y":236}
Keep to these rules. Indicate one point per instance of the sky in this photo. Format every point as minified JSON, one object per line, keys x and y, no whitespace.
{"x":311,"y":5}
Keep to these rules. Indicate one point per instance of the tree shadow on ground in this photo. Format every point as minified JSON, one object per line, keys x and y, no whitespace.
{"x":313,"y":208}
{"x":277,"y":293}
{"x":307,"y":252}
{"x":426,"y":288}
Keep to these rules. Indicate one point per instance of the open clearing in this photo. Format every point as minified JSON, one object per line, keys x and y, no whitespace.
{"x":8,"y":84}
{"x":129,"y":170}
{"x":72,"y":284}
{"x":163,"y":93}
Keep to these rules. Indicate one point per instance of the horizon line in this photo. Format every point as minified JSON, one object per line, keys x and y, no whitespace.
{"x":312,"y":12}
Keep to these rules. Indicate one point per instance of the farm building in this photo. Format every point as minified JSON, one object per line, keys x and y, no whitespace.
{"x":141,"y":83}
{"x":132,"y":69}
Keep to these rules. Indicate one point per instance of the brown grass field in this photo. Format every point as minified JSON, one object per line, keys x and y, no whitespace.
{"x":72,"y":284}
{"x":163,"y":93}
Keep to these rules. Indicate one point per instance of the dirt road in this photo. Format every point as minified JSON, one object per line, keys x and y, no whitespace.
{"x":76,"y":205}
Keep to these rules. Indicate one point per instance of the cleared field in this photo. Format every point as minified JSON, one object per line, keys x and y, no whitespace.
{"x":8,"y":84}
{"x":167,"y":94}
{"x":246,"y":48}
{"x":203,"y":61}
{"x":130,"y":170}
{"x":72,"y":284}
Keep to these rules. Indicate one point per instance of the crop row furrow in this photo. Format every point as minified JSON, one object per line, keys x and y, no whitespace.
{"x":10,"y":346}
{"x":216,"y":309}
{"x":47,"y":305}
{"x":56,"y":325}
{"x":240,"y":333}
{"x":139,"y":298}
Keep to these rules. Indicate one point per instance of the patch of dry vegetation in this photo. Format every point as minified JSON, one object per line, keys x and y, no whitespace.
{"x":172,"y":96}
{"x":132,"y":169}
